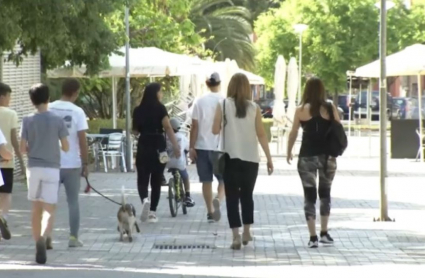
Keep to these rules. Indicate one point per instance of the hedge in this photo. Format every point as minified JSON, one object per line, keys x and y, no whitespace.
{"x":96,"y":125}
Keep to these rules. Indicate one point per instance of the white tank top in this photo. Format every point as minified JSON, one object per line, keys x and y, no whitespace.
{"x":240,"y":136}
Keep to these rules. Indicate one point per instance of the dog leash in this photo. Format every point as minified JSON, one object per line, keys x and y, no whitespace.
{"x":87,"y":190}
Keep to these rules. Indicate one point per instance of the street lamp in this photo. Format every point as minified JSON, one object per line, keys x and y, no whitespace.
{"x":384,"y":6}
{"x":300,"y":28}
{"x":128,"y":149}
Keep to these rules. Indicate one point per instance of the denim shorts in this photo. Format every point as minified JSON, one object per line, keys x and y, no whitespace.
{"x":184,"y":174}
{"x":204,"y":165}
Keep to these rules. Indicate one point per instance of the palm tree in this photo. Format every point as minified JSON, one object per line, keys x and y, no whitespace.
{"x":226,"y":28}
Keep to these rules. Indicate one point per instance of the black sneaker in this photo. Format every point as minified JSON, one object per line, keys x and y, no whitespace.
{"x":4,"y":229}
{"x":210,"y":218}
{"x":190,"y":203}
{"x":314,"y":242}
{"x":325,"y":238}
{"x":40,"y":255}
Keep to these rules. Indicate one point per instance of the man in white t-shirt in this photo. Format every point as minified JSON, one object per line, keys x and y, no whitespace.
{"x":74,"y":162}
{"x":203,"y":144}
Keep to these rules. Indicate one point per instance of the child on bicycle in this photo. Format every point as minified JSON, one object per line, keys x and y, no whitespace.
{"x":180,"y":163}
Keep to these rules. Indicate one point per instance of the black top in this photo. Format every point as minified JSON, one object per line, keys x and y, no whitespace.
{"x":314,"y":131}
{"x":148,"y":122}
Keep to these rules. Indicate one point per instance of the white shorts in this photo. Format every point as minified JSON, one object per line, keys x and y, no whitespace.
{"x":43,"y":184}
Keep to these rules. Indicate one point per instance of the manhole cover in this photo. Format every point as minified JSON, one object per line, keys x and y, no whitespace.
{"x":182,"y":246}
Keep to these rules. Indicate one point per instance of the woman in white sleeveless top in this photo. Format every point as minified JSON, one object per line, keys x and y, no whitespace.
{"x":243,"y":130}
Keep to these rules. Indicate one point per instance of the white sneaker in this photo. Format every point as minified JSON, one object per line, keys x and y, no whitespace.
{"x":146,"y":206}
{"x":217,"y":212}
{"x":152,"y":217}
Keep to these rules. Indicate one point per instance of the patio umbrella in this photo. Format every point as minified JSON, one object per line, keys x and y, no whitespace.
{"x":407,"y":62}
{"x":292,"y":88}
{"x":279,"y":112}
{"x":230,"y":68}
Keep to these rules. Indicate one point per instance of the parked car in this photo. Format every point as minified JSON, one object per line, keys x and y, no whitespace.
{"x":340,"y":110}
{"x":403,"y":107}
{"x":361,"y":102}
{"x":415,"y":108}
{"x":344,"y":105}
{"x":267,"y":108}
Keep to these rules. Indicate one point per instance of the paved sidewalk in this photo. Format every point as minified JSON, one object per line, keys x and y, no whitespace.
{"x":361,"y":246}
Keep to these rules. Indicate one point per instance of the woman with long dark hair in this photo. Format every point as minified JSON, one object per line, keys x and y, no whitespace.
{"x":243,"y":129}
{"x":314,"y":116}
{"x":150,"y":121}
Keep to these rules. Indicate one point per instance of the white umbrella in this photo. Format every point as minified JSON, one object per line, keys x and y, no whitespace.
{"x":279,"y":91}
{"x":292,"y":87}
{"x":230,"y":68}
{"x":253,"y":78}
{"x":145,"y":62}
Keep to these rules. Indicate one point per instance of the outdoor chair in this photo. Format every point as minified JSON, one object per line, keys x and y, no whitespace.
{"x":113,"y":149}
{"x":423,"y":141}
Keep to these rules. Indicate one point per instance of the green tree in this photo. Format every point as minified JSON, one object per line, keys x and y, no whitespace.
{"x":63,"y":30}
{"x":226,"y":28}
{"x":342,"y":35}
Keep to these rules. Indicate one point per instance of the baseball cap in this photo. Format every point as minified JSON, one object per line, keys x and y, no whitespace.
{"x":175,"y":123}
{"x":214,"y":78}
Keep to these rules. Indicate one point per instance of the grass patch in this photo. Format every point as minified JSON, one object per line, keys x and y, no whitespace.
{"x":366,"y":127}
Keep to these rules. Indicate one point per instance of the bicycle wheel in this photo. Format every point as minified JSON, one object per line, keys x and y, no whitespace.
{"x":171,"y":197}
{"x":182,"y":198}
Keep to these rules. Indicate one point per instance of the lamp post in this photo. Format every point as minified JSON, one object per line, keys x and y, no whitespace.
{"x":129,"y":148}
{"x":383,"y":6}
{"x":300,"y":28}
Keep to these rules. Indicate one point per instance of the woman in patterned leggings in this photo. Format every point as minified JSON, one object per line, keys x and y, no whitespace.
{"x":313,"y":116}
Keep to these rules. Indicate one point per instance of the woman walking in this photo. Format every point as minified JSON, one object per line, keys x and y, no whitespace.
{"x":314,"y":116}
{"x":150,"y":120}
{"x":243,"y":129}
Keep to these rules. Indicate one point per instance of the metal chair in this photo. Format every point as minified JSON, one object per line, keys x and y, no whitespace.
{"x":423,"y":147}
{"x":114,"y":148}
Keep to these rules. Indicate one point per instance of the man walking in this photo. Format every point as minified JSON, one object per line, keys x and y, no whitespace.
{"x":9,"y":125}
{"x":203,"y":144}
{"x":73,"y":163}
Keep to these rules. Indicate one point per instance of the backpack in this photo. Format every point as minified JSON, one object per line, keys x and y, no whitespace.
{"x":335,"y":138}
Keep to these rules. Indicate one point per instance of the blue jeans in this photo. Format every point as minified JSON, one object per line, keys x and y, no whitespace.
{"x":204,"y":166}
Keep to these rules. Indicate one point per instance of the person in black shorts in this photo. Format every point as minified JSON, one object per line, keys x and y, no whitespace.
{"x":9,"y":126}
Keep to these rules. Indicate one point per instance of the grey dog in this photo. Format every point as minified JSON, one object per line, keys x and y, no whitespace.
{"x":127,"y":219}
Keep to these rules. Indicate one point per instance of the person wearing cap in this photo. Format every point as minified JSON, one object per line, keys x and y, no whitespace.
{"x":203,"y":144}
{"x":180,"y":163}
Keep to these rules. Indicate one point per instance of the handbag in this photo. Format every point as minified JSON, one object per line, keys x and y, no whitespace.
{"x":163,"y":157}
{"x":220,"y":160}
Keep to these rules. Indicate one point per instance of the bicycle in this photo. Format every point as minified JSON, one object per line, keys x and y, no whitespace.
{"x":176,"y":193}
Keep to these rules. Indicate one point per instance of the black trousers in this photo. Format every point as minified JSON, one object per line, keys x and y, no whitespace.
{"x":239,"y":182}
{"x":149,"y":169}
